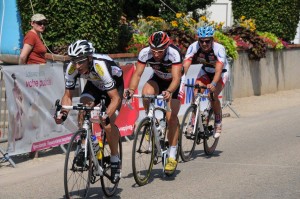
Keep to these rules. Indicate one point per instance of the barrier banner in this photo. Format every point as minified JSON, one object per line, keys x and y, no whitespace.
{"x":31,"y":93}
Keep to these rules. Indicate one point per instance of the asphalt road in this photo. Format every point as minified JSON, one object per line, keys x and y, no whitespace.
{"x":257,"y":157}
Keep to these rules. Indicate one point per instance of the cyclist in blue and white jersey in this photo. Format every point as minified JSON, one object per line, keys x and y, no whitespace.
{"x":104,"y":81}
{"x":166,"y":62}
{"x":213,"y":72}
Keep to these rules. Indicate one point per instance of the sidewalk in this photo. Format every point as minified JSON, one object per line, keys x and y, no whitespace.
{"x":245,"y":107}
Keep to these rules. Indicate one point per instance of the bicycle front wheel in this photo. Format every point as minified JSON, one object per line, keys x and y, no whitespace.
{"x":188,"y":136}
{"x":77,"y":169}
{"x":209,"y":142}
{"x":108,"y":187}
{"x":143,"y":152}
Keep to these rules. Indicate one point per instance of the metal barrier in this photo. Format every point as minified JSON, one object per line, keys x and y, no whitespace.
{"x":3,"y":111}
{"x":4,"y":122}
{"x":227,"y":91}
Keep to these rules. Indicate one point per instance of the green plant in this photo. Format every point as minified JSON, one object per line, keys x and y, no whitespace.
{"x":70,"y":20}
{"x":278,"y":17}
{"x":250,"y":41}
{"x":138,"y":41}
{"x":228,"y":42}
{"x":271,"y":40}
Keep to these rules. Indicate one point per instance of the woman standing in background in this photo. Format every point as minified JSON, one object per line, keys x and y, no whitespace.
{"x":34,"y":50}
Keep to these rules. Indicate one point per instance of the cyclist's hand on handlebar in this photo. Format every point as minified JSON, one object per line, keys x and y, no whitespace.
{"x":167,"y":94}
{"x":211,"y":87}
{"x":61,"y":117}
{"x":128,"y":93}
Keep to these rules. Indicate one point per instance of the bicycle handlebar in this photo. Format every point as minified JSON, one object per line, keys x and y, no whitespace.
{"x":80,"y":106}
{"x":198,"y":87}
{"x":149,"y":96}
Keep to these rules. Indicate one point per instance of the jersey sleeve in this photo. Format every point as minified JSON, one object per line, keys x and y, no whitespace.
{"x":143,"y":56}
{"x":106,"y":77}
{"x":175,"y":56}
{"x":191,"y":51}
{"x":220,"y":53}
{"x":71,"y":76}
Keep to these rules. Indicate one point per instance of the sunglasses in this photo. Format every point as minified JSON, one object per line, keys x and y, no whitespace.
{"x":41,"y":23}
{"x":158,"y":51}
{"x":205,"y":41}
{"x":81,"y":61}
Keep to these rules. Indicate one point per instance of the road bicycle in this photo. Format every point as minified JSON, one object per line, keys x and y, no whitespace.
{"x":150,"y":141}
{"x":82,"y":167}
{"x":197,"y":125}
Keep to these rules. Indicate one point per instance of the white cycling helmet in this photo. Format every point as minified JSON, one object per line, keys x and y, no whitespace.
{"x":80,"y":48}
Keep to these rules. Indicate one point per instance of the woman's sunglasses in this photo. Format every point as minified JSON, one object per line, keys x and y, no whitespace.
{"x":40,"y":23}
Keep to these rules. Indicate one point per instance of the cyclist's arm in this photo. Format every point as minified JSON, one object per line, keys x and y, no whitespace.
{"x":218,"y":72}
{"x":114,"y":103}
{"x":176,"y":75}
{"x":186,"y":65}
{"x":135,"y":79}
{"x":67,"y":99}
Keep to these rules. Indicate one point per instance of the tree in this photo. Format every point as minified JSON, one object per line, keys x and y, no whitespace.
{"x":133,"y":8}
{"x":278,"y":17}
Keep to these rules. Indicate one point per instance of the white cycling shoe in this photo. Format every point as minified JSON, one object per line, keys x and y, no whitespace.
{"x":217,"y":130}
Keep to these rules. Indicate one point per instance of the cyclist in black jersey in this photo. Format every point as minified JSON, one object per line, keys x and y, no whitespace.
{"x":166,"y":61}
{"x":104,"y":81}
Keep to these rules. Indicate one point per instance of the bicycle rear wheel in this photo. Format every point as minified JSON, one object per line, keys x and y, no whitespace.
{"x":108,"y":187}
{"x":209,"y":142}
{"x":77,"y":171}
{"x":143,"y":152}
{"x":188,"y":138}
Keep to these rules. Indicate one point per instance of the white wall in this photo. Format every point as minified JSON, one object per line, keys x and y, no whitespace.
{"x":297,"y":38}
{"x":221,"y":11}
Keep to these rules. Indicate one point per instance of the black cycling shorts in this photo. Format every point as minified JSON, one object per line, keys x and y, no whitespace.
{"x":164,"y":85}
{"x":97,"y":94}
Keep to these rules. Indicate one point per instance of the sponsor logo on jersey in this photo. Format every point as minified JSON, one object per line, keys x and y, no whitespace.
{"x":99,"y":69}
{"x":71,"y":69}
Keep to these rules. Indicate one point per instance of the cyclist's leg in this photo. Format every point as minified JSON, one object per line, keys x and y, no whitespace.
{"x":112,"y":132}
{"x":216,"y":106}
{"x":173,"y":133}
{"x":150,"y":88}
{"x":87,"y":97}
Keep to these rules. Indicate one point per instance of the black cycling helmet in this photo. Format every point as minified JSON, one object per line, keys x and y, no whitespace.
{"x":159,"y":39}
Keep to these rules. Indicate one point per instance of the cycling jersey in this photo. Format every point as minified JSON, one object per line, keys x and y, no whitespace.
{"x":163,"y":69}
{"x":103,"y":73}
{"x":209,"y":59}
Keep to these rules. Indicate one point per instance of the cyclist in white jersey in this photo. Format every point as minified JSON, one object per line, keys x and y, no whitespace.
{"x":166,"y":61}
{"x":104,"y":81}
{"x":213,"y":72}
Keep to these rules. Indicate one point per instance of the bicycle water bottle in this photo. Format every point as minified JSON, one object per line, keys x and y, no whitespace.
{"x":96,"y":146}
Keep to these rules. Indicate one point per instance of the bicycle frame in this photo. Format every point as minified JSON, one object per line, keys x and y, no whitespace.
{"x":151,"y":114}
{"x":198,"y":112}
{"x":87,"y":127}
